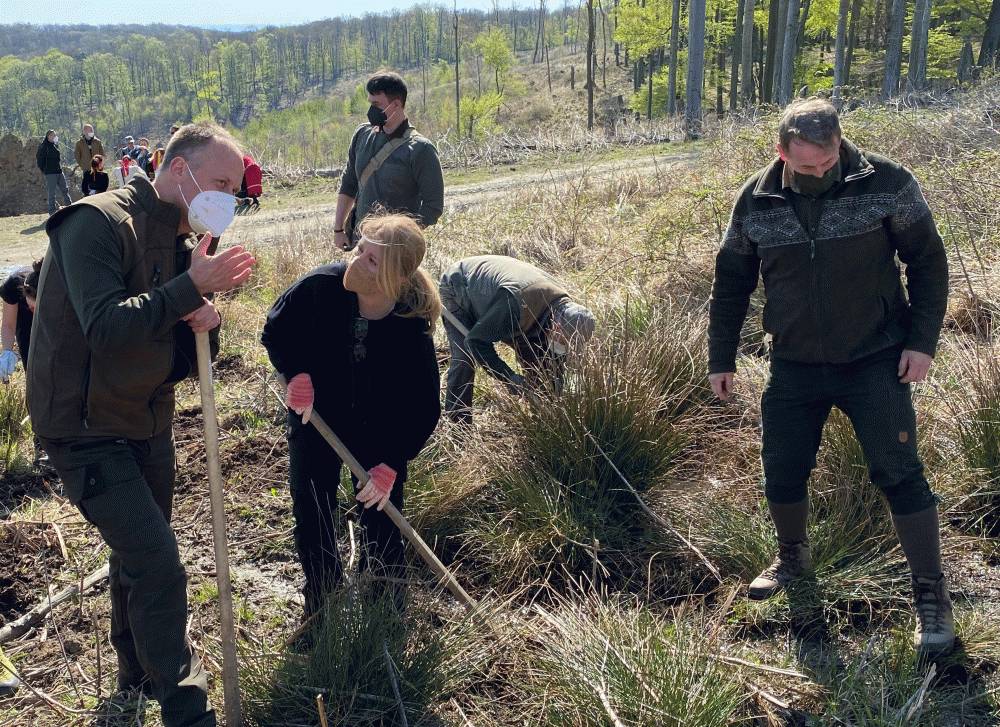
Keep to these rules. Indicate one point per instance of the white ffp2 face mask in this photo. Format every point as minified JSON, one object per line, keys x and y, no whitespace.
{"x":209,"y":211}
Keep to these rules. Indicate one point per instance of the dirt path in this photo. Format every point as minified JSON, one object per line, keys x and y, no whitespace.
{"x":22,"y":238}
{"x":464,"y":196}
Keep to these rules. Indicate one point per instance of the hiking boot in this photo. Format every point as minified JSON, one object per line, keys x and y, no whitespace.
{"x":793,"y":560}
{"x":935,"y":631}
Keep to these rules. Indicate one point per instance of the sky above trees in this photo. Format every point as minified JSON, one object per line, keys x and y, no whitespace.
{"x":199,"y":12}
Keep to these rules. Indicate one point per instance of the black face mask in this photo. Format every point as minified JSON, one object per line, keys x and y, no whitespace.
{"x":376,"y":116}
{"x":817,"y":186}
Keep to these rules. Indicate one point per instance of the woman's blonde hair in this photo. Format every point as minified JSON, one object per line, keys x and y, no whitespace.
{"x":399,"y":275}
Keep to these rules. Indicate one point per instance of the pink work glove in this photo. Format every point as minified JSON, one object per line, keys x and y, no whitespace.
{"x":381,"y":478}
{"x":299,"y":396}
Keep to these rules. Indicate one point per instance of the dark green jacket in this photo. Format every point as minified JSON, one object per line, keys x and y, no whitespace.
{"x":409,"y":181}
{"x":502,"y":299}
{"x":107,"y":343}
{"x":833,"y":287}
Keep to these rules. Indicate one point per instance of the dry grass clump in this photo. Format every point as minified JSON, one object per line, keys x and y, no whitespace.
{"x":971,"y":412}
{"x":15,"y":442}
{"x":614,"y":661}
{"x":361,"y":653}
{"x":561,"y":493}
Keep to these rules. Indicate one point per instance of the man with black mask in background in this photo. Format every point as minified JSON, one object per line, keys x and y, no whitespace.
{"x":390,"y":167}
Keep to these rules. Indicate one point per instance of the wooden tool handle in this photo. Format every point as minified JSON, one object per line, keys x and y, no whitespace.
{"x":230,"y":670}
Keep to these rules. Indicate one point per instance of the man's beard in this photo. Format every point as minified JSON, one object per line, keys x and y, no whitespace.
{"x":359,"y":279}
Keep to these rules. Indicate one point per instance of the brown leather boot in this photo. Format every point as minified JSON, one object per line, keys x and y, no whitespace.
{"x":792,"y":562}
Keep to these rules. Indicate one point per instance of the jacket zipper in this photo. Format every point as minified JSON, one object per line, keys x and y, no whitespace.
{"x":85,"y":406}
{"x":812,"y":230}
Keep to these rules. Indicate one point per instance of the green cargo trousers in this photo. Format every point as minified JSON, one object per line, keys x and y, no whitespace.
{"x":125,"y":488}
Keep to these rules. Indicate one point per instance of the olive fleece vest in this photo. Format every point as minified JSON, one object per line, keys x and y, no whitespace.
{"x":476,"y":281}
{"x":75,"y":391}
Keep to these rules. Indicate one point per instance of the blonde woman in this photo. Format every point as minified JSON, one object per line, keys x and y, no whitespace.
{"x":354,"y":340}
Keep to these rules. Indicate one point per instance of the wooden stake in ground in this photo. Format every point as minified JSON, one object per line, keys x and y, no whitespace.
{"x":230,"y":673}
{"x":395,"y":515}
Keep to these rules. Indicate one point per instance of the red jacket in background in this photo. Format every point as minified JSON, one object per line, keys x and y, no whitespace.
{"x":252,"y":178}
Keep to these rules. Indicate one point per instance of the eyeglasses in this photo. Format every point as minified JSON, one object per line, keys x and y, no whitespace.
{"x":360,"y":332}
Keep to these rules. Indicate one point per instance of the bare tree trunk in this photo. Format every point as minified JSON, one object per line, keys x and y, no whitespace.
{"x":779,"y":50}
{"x":746,"y":51}
{"x":675,"y":21}
{"x":649,"y":89}
{"x":720,"y":60}
{"x":604,"y":37}
{"x":965,"y":62}
{"x":590,"y":65}
{"x":786,"y":87}
{"x":917,"y":72}
{"x":894,"y":49}
{"x":548,"y":68}
{"x":458,"y":88}
{"x":852,"y":40}
{"x":735,"y":49}
{"x":537,"y":55}
{"x":618,"y":46}
{"x":839,"y":51}
{"x":769,"y":53}
{"x":989,"y":52}
{"x":800,"y":36}
{"x":695,"y":68}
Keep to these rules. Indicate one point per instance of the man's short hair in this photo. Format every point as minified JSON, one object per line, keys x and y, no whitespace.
{"x":813,"y":120}
{"x":192,"y":139}
{"x":389,"y":83}
{"x":129,"y":138}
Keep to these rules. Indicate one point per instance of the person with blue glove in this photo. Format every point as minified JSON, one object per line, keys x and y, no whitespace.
{"x":18,"y":293}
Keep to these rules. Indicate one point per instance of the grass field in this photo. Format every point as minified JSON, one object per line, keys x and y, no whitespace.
{"x":608,"y":533}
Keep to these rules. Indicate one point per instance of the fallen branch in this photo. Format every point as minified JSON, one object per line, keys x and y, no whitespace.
{"x":321,"y":708}
{"x":391,"y":668}
{"x":658,"y":518}
{"x":22,"y":625}
{"x":760,"y":667}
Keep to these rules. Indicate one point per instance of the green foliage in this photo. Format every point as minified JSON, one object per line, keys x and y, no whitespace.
{"x":494,"y":46}
{"x":130,"y":83}
{"x":479,"y":114}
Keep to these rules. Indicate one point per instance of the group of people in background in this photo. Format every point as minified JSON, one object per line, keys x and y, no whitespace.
{"x":822,"y":225}
{"x":132,"y":158}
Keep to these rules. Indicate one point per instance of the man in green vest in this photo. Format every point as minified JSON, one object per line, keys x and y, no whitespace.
{"x":123,"y":289}
{"x":497,"y":298}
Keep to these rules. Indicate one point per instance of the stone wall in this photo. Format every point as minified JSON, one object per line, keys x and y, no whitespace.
{"x":22,"y":186}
